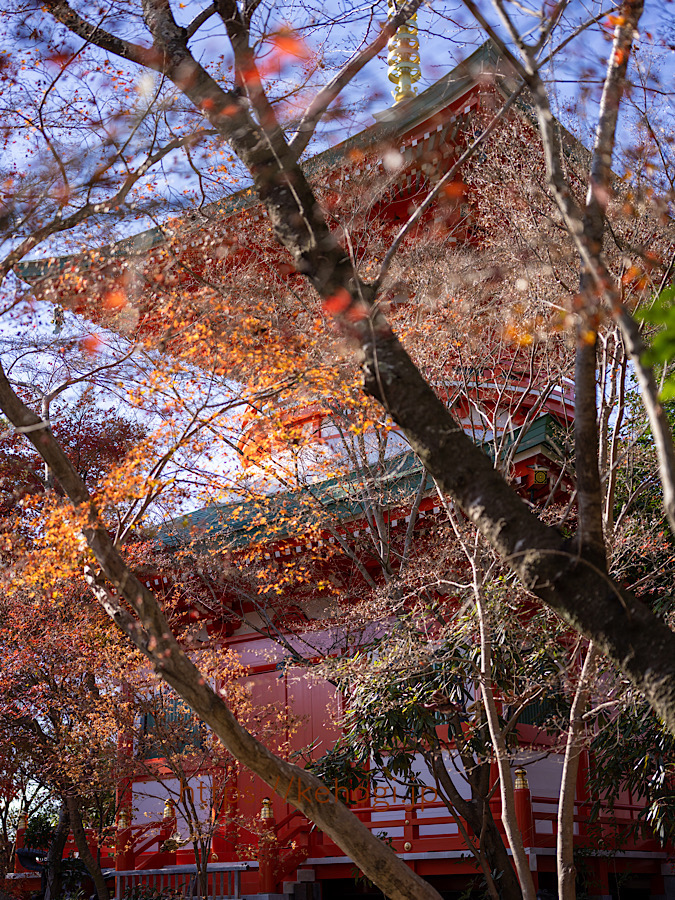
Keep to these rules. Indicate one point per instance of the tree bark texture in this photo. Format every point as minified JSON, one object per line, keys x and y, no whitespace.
{"x":55,"y":854}
{"x":86,"y":855}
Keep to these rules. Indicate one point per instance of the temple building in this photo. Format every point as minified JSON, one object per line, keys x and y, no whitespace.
{"x":343,"y":533}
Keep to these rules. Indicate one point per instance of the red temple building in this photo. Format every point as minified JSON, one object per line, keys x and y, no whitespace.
{"x":428,"y":132}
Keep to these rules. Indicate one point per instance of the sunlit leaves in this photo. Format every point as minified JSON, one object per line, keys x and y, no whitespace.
{"x":661,"y":313}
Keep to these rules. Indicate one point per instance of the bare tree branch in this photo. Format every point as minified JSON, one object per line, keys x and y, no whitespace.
{"x":199,"y":20}
{"x":93,"y":34}
{"x":323,"y":99}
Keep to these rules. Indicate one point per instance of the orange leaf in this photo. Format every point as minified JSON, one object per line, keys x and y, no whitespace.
{"x":115,"y":300}
{"x":59,"y":59}
{"x":286,"y":41}
{"x":357,"y":313}
{"x":631,"y":274}
{"x":454,"y":189}
{"x":91,"y":343}
{"x":250,"y":75}
{"x":338,"y":303}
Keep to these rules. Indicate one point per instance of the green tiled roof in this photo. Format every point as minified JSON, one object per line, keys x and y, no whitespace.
{"x":279,"y":516}
{"x":544,"y":431}
{"x":282,"y":516}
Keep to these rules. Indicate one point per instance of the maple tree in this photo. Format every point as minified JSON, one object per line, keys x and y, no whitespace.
{"x":568,"y":575}
{"x":409,"y":652}
{"x":394,"y":585}
{"x":61,"y":661}
{"x":58,"y":712}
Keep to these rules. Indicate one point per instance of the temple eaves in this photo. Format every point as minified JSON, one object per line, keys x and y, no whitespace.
{"x":389,"y":126}
{"x":240,"y":524}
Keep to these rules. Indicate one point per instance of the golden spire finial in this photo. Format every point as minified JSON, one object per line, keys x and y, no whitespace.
{"x":403,"y":57}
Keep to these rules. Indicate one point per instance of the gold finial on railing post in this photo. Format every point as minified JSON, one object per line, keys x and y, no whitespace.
{"x":403,"y":58}
{"x":124,"y":817}
{"x":521,"y":780}
{"x":268,"y":850}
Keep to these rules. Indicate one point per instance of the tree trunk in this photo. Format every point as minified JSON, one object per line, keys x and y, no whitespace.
{"x":565,"y":837}
{"x":642,"y":645}
{"x":495,"y":851}
{"x":201,"y":850}
{"x":509,"y":821}
{"x":480,"y":822}
{"x":86,"y":855}
{"x":55,"y":855}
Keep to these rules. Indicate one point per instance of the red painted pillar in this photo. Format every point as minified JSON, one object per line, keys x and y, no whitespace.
{"x":124,"y":850}
{"x":226,"y":831}
{"x":20,"y":840}
{"x":268,"y":851}
{"x":523,"y":803}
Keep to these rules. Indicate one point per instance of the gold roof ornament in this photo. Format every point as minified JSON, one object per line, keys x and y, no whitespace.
{"x":403,"y":58}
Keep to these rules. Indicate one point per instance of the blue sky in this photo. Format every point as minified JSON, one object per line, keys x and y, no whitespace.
{"x":332,"y":32}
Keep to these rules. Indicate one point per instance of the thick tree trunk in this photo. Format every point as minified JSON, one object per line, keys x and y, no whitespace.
{"x":86,"y":855}
{"x":624,"y":629}
{"x":495,"y":850}
{"x":55,"y":855}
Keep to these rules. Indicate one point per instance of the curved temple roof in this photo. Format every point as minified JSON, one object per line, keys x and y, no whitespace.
{"x":391,"y":126}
